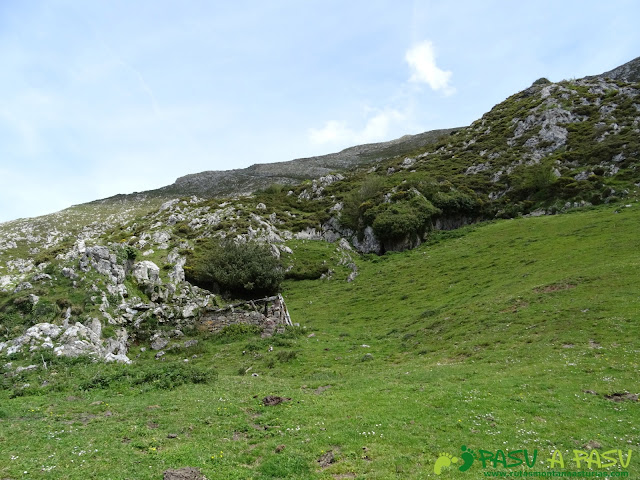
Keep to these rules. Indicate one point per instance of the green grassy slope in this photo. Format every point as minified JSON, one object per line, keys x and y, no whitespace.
{"x":487,"y":337}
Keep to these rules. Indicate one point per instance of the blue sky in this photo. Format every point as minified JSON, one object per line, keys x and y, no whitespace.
{"x":106,"y":97}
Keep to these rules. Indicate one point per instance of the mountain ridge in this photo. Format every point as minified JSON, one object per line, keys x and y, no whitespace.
{"x":291,"y":172}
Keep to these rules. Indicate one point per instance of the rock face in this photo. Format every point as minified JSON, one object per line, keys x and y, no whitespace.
{"x":270,"y":314}
{"x":146,"y":272}
{"x":71,"y":341}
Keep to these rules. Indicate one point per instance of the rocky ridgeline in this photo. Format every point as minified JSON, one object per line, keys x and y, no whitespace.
{"x":247,"y":180}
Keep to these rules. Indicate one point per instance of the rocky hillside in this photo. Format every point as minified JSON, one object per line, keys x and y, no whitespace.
{"x":247,"y":180}
{"x":629,"y":72}
{"x":96,"y":277}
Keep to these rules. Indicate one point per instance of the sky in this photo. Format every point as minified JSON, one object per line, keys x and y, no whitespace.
{"x":105,"y":97}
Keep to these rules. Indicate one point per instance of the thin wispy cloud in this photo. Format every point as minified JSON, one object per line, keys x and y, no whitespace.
{"x":422,"y":61}
{"x":127,"y":66}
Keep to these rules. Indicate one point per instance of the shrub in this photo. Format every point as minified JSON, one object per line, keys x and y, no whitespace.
{"x":456,"y":202}
{"x":23,"y":304}
{"x":358,"y":201}
{"x":395,"y":221}
{"x":542,"y":81}
{"x":273,"y":189}
{"x":243,"y":269}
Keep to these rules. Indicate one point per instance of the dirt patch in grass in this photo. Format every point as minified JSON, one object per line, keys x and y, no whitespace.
{"x":271,"y":400}
{"x":320,"y":390}
{"x":622,"y":397}
{"x":187,"y":473}
{"x":556,"y":287}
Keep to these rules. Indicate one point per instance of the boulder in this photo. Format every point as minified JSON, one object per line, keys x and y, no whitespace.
{"x":159,"y":343}
{"x":146,"y":272}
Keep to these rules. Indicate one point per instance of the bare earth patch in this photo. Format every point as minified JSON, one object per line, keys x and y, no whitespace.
{"x":271,"y":400}
{"x":554,"y":288}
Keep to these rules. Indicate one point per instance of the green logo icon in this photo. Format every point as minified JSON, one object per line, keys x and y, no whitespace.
{"x":467,"y":457}
{"x":446,"y":459}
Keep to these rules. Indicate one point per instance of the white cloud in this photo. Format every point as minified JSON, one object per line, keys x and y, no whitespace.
{"x":332,"y":132}
{"x":422,"y":60}
{"x":376,"y":129}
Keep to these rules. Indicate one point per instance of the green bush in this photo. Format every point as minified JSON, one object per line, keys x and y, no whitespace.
{"x":242,"y":269}
{"x":456,"y":202}
{"x":358,"y":201}
{"x":394,"y":221}
{"x":542,"y":81}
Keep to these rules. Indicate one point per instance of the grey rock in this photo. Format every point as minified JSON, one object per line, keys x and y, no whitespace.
{"x":369,"y":242}
{"x":168,"y":205}
{"x":475,"y":169}
{"x":146,"y":272}
{"x":189,"y":310}
{"x":39,"y":277}
{"x":159,"y":343}
{"x":190,"y":343}
{"x":23,"y":286}
{"x":408,"y":162}
{"x":69,"y":273}
{"x":344,"y":244}
{"x":25,"y":369}
{"x":162,"y":239}
{"x":175,"y":218}
{"x":120,"y":358}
